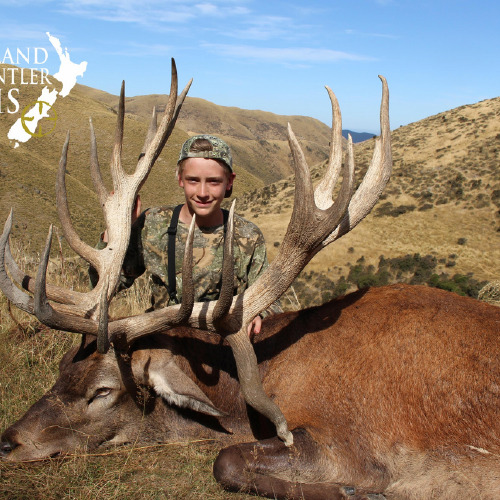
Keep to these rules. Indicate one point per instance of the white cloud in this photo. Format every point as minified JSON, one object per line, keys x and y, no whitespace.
{"x":152,"y":13}
{"x":285,"y":55}
{"x":264,"y":28}
{"x":207,"y":8}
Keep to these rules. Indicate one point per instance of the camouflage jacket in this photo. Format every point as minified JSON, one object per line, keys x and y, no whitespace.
{"x":148,"y":251}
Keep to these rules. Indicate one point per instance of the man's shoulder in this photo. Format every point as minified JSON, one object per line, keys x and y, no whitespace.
{"x":158,"y":215}
{"x":157,"y":220}
{"x":246,"y":229}
{"x":159,"y":212}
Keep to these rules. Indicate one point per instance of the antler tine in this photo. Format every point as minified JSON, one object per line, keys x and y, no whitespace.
{"x":50,"y":316}
{"x":376,"y":177}
{"x":187,"y":279}
{"x":304,"y":195}
{"x":117,"y":172}
{"x":251,"y":384}
{"x":102,"y":330}
{"x":158,"y":142}
{"x":75,"y":242}
{"x":95,"y":171}
{"x":167,"y":123}
{"x":226,"y":293}
{"x":14,"y":294}
{"x":323,"y":192}
{"x":42,"y":306}
{"x":178,"y":106}
{"x":25,"y":281}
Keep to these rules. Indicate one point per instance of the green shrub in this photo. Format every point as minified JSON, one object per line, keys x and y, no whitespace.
{"x":461,"y":284}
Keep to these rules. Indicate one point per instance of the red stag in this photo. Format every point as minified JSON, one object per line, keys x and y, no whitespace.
{"x":392,"y":391}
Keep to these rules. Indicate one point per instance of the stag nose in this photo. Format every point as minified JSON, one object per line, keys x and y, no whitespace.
{"x":6,"y":447}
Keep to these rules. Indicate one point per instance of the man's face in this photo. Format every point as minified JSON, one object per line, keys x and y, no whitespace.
{"x":205,"y":182}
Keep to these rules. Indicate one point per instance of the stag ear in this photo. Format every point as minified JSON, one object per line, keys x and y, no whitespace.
{"x":173,"y":385}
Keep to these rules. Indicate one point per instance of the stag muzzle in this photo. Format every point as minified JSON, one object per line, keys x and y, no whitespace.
{"x":6,"y":447}
{"x":37,"y":436}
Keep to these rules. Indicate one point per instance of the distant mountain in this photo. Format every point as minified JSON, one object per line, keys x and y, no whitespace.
{"x":357,"y":136}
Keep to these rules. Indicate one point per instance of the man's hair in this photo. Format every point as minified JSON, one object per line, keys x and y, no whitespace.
{"x":199,"y":146}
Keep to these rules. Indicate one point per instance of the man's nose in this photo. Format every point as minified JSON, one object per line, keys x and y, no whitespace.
{"x":202,"y":190}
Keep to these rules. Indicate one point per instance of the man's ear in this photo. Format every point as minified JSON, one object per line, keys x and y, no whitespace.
{"x":229,"y":186}
{"x":180,"y":181}
{"x":178,"y":174}
{"x":230,"y":181}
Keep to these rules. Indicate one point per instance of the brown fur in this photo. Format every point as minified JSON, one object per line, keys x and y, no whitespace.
{"x":392,"y":390}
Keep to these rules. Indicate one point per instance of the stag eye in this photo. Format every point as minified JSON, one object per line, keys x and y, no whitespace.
{"x":102,"y":392}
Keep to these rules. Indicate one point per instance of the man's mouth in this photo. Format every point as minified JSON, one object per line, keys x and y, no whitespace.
{"x":203,"y":203}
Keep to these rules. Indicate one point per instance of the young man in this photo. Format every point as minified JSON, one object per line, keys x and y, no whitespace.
{"x":205,"y":173}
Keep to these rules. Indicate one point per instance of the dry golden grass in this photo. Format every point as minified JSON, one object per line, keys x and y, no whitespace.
{"x":172,"y":471}
{"x":453,"y":198}
{"x":29,"y":357}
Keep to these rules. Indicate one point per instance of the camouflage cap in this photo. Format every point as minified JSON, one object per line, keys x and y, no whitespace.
{"x":220,"y":150}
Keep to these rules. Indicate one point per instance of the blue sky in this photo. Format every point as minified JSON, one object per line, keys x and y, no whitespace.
{"x":277,"y":55}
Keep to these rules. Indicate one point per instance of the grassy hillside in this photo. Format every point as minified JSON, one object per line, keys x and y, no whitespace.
{"x":442,"y":201}
{"x":258,"y":138}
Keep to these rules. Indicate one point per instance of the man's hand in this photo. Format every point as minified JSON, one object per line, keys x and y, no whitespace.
{"x":254,"y":327}
{"x":137,"y":208}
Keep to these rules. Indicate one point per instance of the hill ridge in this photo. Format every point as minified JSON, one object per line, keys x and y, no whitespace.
{"x":443,"y":198}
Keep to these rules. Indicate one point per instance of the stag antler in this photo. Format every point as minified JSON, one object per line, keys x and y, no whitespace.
{"x":316,"y":221}
{"x":74,"y":311}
